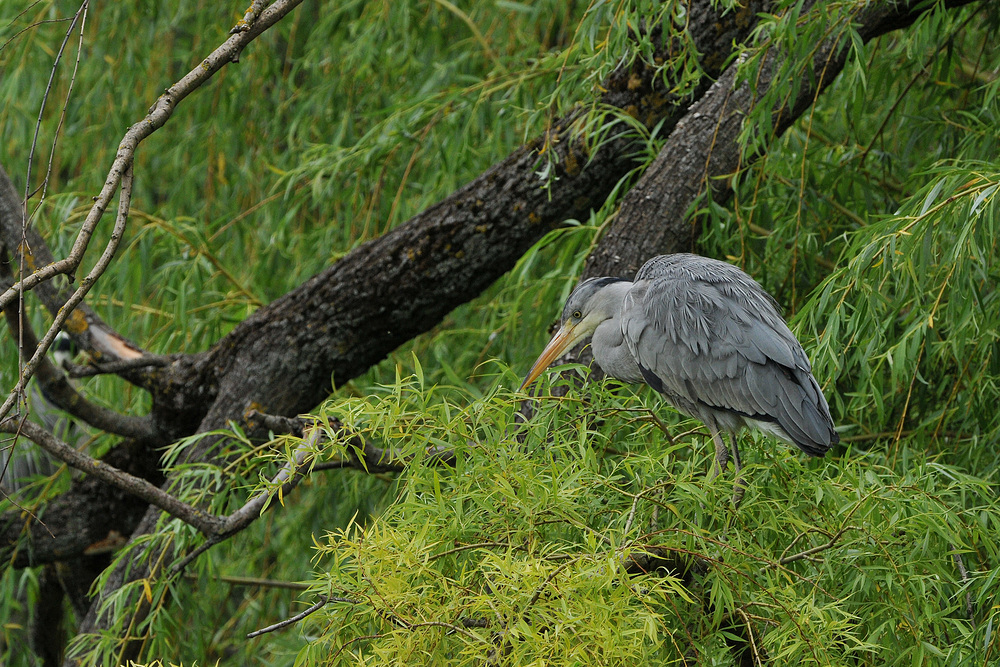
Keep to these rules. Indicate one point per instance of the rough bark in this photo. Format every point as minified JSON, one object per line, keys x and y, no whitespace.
{"x":90,"y":512}
{"x":702,"y":150}
{"x":393,"y":288}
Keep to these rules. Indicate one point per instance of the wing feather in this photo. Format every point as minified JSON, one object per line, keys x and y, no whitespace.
{"x":720,"y":350}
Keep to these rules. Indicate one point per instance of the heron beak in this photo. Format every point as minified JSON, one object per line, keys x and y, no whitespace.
{"x":565,"y":338}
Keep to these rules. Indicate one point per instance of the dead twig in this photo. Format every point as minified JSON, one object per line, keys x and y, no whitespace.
{"x":323,"y":601}
{"x":817,"y":549}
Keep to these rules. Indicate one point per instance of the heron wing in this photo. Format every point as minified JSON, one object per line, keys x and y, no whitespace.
{"x":711,"y":339}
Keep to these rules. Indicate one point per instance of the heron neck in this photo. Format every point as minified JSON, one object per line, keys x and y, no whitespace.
{"x":611,"y":352}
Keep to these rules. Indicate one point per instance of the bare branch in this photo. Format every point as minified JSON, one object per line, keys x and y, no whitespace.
{"x":323,"y":601}
{"x":544,"y":584}
{"x":137,"y":486}
{"x":256,"y":582}
{"x":815,"y":550}
{"x":114,"y":367}
{"x":81,"y":12}
{"x":69,"y":307}
{"x":65,"y":397}
{"x":158,"y":115}
{"x":964,"y":573}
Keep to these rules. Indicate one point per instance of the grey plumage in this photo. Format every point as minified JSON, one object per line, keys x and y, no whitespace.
{"x":710,"y":339}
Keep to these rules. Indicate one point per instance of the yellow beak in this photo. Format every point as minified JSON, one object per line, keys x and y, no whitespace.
{"x":565,"y":338}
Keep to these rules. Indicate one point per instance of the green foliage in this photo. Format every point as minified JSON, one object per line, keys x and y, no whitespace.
{"x":520,"y":548}
{"x":873,"y":219}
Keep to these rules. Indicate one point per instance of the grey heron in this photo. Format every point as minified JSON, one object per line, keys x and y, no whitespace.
{"x":707,"y":337}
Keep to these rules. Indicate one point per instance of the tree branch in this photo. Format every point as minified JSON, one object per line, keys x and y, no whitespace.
{"x":159,"y":113}
{"x":785,"y":560}
{"x":323,"y":601}
{"x":69,"y":307}
{"x":59,"y":391}
{"x":136,"y":486}
{"x":703,"y":151}
{"x":116,"y":367}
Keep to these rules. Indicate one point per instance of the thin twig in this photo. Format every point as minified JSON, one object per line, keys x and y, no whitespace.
{"x":969,"y":610}
{"x":323,"y":601}
{"x":631,"y":514}
{"x":817,"y":549}
{"x":41,"y":108}
{"x":753,"y":643}
{"x":30,"y":26}
{"x":154,"y":495}
{"x":197,"y":551}
{"x":450,"y":626}
{"x":544,"y":584}
{"x":62,"y":113}
{"x":255,"y":582}
{"x":469,"y":547}
{"x":85,"y":284}
{"x":158,"y":115}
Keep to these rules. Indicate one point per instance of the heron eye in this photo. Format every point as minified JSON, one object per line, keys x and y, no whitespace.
{"x":577,"y":315}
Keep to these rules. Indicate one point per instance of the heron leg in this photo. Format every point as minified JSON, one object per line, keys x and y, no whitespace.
{"x":721,"y":454}
{"x":734,"y":447}
{"x":739,"y":486}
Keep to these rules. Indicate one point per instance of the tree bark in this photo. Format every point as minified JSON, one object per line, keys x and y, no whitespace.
{"x":702,"y":151}
{"x":90,"y":512}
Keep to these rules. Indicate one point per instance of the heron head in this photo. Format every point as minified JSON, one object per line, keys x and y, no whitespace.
{"x":590,"y":304}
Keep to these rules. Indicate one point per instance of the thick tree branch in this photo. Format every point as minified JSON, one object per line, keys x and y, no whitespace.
{"x":89,"y":513}
{"x":703,"y":151}
{"x":393,"y":288}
